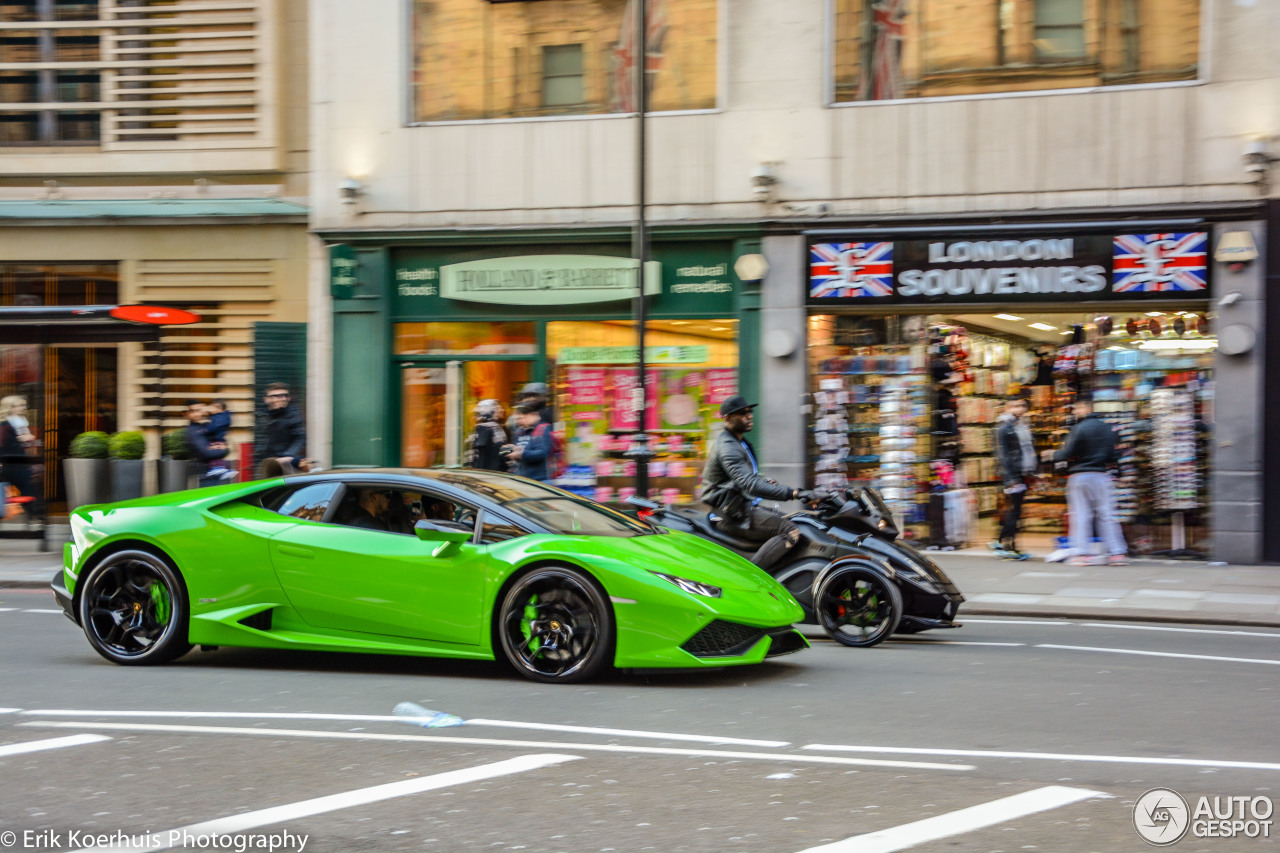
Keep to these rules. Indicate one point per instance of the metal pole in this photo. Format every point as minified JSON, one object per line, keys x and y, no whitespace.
{"x":640,"y":451}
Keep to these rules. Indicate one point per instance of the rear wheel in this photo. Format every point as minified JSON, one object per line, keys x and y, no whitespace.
{"x":555,"y":625}
{"x":134,"y":609}
{"x":857,"y":606}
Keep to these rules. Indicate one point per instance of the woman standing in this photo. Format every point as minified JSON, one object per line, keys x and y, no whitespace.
{"x":17,"y":447}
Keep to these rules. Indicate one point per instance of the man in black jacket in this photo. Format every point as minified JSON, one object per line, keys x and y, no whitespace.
{"x":1016,"y":459}
{"x":1089,"y":453}
{"x":286,"y":435}
{"x":202,"y":451}
{"x":732,"y":485}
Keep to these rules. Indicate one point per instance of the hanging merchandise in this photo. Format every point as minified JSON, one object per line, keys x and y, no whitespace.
{"x":1131,"y":327}
{"x":1153,"y":326}
{"x":1103,"y":324}
{"x":1173,"y":452}
{"x":1179,"y":326}
{"x":831,"y":434}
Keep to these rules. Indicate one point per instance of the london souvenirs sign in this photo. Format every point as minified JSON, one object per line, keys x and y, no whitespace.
{"x":1042,"y":269}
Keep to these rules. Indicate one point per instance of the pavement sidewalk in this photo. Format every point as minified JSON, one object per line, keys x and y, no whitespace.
{"x":1145,"y":590}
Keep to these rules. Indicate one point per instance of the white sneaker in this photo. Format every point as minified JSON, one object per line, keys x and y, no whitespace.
{"x":1059,"y":555}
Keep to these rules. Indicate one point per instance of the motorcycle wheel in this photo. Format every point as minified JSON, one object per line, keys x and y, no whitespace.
{"x":857,"y":607}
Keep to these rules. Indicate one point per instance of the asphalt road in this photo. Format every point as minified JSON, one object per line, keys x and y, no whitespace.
{"x":1006,"y":735}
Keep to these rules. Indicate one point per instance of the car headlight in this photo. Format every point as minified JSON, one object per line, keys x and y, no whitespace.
{"x":691,"y":587}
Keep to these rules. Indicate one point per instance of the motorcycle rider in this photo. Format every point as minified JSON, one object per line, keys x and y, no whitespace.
{"x":732,"y":485}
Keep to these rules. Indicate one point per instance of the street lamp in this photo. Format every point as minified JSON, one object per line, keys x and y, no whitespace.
{"x":640,"y":452}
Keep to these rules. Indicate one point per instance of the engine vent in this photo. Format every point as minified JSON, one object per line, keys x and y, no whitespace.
{"x":722,"y":639}
{"x":260,"y":621}
{"x":785,"y":641}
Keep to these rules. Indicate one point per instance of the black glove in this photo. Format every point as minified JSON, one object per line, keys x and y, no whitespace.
{"x":810,"y":495}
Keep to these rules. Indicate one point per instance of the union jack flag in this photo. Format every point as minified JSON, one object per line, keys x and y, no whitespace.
{"x":883,"y":81}
{"x":622,"y":64}
{"x":1160,"y":262}
{"x":850,"y":269}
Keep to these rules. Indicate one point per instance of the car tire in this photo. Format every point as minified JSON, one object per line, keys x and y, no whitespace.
{"x":857,"y":606}
{"x":133,"y":607}
{"x":555,"y":625}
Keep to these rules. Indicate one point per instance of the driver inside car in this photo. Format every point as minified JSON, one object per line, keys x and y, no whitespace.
{"x":732,"y":485}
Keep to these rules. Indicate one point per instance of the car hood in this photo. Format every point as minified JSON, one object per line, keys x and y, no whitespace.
{"x":680,"y":554}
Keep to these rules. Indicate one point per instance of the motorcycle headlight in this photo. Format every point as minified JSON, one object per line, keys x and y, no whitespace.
{"x":691,"y":587}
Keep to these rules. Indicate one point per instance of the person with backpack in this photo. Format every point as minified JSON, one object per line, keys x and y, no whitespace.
{"x":533,"y":447}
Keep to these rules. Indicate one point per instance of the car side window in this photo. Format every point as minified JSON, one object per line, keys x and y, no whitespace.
{"x":494,"y":529}
{"x":308,"y":503}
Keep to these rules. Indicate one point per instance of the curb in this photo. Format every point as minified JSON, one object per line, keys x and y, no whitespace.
{"x":1129,"y":616}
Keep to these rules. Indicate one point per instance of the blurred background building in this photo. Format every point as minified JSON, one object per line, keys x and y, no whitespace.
{"x":154,"y":151}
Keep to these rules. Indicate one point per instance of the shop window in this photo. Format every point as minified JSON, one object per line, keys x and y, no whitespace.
{"x":473,"y":60}
{"x":497,"y":338}
{"x":562,"y":80}
{"x":887,"y":49}
{"x":692,"y":366}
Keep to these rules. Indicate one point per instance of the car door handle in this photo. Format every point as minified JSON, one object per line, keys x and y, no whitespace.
{"x":295,"y":551}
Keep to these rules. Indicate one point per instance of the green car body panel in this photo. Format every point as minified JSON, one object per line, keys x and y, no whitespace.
{"x":332,"y":587}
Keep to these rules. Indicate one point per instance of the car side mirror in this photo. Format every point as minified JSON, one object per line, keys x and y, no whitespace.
{"x":429,"y":531}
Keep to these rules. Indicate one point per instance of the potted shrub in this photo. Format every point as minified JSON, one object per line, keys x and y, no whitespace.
{"x":126,"y":450}
{"x":175,"y":467}
{"x":87,"y":471}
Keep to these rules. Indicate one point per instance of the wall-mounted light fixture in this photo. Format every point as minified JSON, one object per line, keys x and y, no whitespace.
{"x":763,"y":182}
{"x":349,"y":190}
{"x":1236,"y":249}
{"x":1257,"y":161}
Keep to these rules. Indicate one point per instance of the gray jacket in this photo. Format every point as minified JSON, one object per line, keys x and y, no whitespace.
{"x":1015,"y":450}
{"x":729,"y":484}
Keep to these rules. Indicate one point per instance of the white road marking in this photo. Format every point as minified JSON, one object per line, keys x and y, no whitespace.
{"x":1047,"y":756}
{"x":788,"y":758}
{"x":969,"y":621}
{"x":962,"y":821}
{"x":9,"y":710}
{"x":1273,"y":635}
{"x":319,"y":805}
{"x":1159,"y":654}
{"x":925,"y":641}
{"x":7,"y":609}
{"x":38,"y":610}
{"x":53,"y":743}
{"x":379,"y":718}
{"x":511,"y":724}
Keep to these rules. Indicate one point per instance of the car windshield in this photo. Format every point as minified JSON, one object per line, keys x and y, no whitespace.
{"x":576,"y":516}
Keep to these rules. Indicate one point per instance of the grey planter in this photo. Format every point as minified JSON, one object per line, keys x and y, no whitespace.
{"x":88,"y":481}
{"x":126,"y":479}
{"x":175,"y":475}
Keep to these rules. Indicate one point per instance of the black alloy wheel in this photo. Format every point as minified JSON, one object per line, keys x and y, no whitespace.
{"x":857,"y":607}
{"x":555,"y":625}
{"x":134,"y":609}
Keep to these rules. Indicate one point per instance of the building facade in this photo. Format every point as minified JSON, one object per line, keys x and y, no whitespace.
{"x":153,"y":152}
{"x":1074,"y":164}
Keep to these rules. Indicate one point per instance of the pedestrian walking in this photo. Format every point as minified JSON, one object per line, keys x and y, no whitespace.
{"x":286,"y":435}
{"x":531,"y":445}
{"x":488,"y":437}
{"x":1016,"y":460}
{"x":204,"y":454}
{"x":1089,"y":454}
{"x":18,"y":449}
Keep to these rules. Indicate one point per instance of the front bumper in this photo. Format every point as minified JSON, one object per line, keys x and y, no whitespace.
{"x":63,"y":597}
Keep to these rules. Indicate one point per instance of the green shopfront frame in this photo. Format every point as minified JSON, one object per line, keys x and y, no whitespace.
{"x":395,"y":281}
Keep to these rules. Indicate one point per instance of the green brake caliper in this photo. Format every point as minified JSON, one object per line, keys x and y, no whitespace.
{"x":160,"y":603}
{"x":526,"y":626}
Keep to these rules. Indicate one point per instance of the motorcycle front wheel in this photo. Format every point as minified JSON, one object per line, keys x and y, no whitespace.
{"x":857,"y":606}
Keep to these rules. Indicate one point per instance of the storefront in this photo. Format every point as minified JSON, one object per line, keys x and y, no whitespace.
{"x":915,"y":344}
{"x":479,"y":322}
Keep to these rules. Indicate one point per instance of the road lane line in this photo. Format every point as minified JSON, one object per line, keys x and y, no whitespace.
{"x":591,"y":730}
{"x":7,"y":609}
{"x":1047,"y":756}
{"x":360,"y":797}
{"x":39,"y":610}
{"x":53,"y":743}
{"x":926,"y":641}
{"x":9,"y":710}
{"x":962,"y":821}
{"x":1273,"y":635}
{"x":1159,"y":654}
{"x":785,"y":757}
{"x":969,"y":621}
{"x":382,"y":718}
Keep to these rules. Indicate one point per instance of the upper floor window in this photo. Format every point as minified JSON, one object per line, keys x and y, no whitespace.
{"x":484,"y":59}
{"x":887,"y":49}
{"x":48,"y":103}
